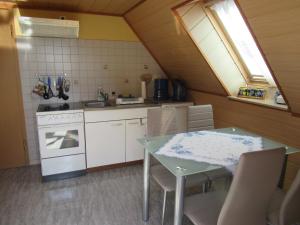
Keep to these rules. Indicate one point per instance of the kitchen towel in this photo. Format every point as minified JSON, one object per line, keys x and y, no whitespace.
{"x":210,"y":147}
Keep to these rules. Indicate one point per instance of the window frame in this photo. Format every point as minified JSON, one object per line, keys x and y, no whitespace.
{"x":225,"y":37}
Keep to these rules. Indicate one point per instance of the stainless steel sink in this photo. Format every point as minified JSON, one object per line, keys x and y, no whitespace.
{"x":95,"y":104}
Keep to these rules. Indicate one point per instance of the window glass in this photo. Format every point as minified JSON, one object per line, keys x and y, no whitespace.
{"x":236,"y":28}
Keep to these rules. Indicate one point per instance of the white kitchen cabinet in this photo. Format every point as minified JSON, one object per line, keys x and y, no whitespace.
{"x":111,"y":134}
{"x":105,"y":143}
{"x":135,"y":129}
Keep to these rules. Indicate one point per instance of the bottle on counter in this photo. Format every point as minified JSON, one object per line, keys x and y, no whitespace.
{"x":113,"y":98}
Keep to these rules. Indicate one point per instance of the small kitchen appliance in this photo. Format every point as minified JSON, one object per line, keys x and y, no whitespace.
{"x":61,"y":140}
{"x":129,"y":100}
{"x":161,"y":91}
{"x":179,"y":90}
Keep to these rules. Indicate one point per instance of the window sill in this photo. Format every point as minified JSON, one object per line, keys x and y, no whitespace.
{"x":267,"y":102}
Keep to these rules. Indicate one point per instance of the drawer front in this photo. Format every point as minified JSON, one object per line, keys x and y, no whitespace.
{"x":116,"y":114}
{"x":63,"y":164}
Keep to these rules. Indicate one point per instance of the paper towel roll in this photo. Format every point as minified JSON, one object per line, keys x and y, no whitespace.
{"x":143,"y":91}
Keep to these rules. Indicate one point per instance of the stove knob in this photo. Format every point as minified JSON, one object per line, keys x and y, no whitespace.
{"x":56,"y":117}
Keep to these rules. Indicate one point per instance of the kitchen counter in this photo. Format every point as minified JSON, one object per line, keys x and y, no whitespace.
{"x":146,"y":104}
{"x":80,"y":107}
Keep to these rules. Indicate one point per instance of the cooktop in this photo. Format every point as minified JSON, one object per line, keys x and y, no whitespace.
{"x":59,"y":107}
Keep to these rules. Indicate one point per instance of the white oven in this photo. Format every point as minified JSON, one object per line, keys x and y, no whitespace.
{"x":62,"y":142}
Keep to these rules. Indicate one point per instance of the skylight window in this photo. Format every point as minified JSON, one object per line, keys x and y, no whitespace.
{"x":243,"y":43}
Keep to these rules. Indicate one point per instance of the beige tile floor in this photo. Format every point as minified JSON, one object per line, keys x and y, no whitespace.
{"x":112,"y":197}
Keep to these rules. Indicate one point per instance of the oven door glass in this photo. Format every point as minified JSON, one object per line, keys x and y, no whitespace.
{"x":62,"y":139}
{"x":59,"y":140}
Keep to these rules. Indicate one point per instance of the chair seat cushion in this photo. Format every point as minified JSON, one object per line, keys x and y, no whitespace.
{"x":204,"y":209}
{"x":168,"y":181}
{"x":276,"y":202}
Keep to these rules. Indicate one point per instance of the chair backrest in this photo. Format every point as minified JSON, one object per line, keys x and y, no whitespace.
{"x":255,"y":179}
{"x":153,"y":122}
{"x":290,"y":209}
{"x":200,"y":117}
{"x":163,"y":121}
{"x":166,"y":120}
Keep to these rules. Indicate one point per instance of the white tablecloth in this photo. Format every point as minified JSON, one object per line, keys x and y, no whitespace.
{"x":211,"y":147}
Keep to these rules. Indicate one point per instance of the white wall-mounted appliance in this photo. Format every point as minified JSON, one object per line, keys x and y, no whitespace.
{"x":62,"y":143}
{"x":42,"y":27}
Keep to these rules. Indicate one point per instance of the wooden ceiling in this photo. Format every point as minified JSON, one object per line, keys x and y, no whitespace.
{"x":110,"y":7}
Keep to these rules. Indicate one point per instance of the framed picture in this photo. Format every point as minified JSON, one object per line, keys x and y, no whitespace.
{"x":252,"y":92}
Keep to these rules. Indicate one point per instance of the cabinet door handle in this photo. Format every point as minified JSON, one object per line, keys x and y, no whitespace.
{"x":134,"y":123}
{"x":117,"y":124}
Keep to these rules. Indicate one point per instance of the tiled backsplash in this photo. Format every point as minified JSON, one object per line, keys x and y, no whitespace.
{"x":113,"y":65}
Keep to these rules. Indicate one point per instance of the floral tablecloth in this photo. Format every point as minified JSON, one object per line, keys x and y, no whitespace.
{"x":211,"y":147}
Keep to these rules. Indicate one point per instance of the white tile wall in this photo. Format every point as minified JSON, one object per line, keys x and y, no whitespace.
{"x":113,"y":65}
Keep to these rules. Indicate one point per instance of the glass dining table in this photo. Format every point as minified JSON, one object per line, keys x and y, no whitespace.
{"x":181,"y":168}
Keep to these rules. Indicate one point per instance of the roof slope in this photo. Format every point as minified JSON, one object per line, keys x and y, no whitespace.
{"x":155,"y":23}
{"x":274,"y":23}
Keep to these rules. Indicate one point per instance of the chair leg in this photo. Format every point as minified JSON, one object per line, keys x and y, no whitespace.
{"x":228,"y":181}
{"x":205,"y":187}
{"x":209,"y":185}
{"x":164,"y":207}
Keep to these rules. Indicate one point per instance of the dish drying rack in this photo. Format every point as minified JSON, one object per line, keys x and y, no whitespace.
{"x":49,"y":86}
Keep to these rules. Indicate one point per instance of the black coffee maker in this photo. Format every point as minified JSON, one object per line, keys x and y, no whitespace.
{"x":179,"y":90}
{"x":161,"y":90}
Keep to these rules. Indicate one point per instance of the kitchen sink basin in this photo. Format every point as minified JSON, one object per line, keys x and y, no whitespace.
{"x":95,"y":104}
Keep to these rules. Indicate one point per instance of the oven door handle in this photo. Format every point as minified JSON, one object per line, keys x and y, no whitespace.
{"x":53,"y":126}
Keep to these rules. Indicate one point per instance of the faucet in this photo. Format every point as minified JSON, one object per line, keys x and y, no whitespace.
{"x":101,"y":96}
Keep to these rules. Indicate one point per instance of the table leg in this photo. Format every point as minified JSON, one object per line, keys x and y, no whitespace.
{"x":179,"y":200}
{"x":146,"y":190}
{"x":282,"y":176}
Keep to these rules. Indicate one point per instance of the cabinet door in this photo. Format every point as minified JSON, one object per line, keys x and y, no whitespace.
{"x":105,"y":143}
{"x":135,"y":129}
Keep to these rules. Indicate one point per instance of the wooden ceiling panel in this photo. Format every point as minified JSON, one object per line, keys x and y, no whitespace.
{"x":84,"y":6}
{"x":158,"y":28}
{"x":276,"y":26}
{"x":112,"y":7}
{"x":100,"y":6}
{"x":121,"y":7}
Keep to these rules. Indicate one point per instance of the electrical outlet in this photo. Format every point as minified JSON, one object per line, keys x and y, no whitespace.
{"x":76,"y":82}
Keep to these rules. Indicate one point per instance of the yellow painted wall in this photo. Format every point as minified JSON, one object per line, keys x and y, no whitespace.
{"x":100,"y":27}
